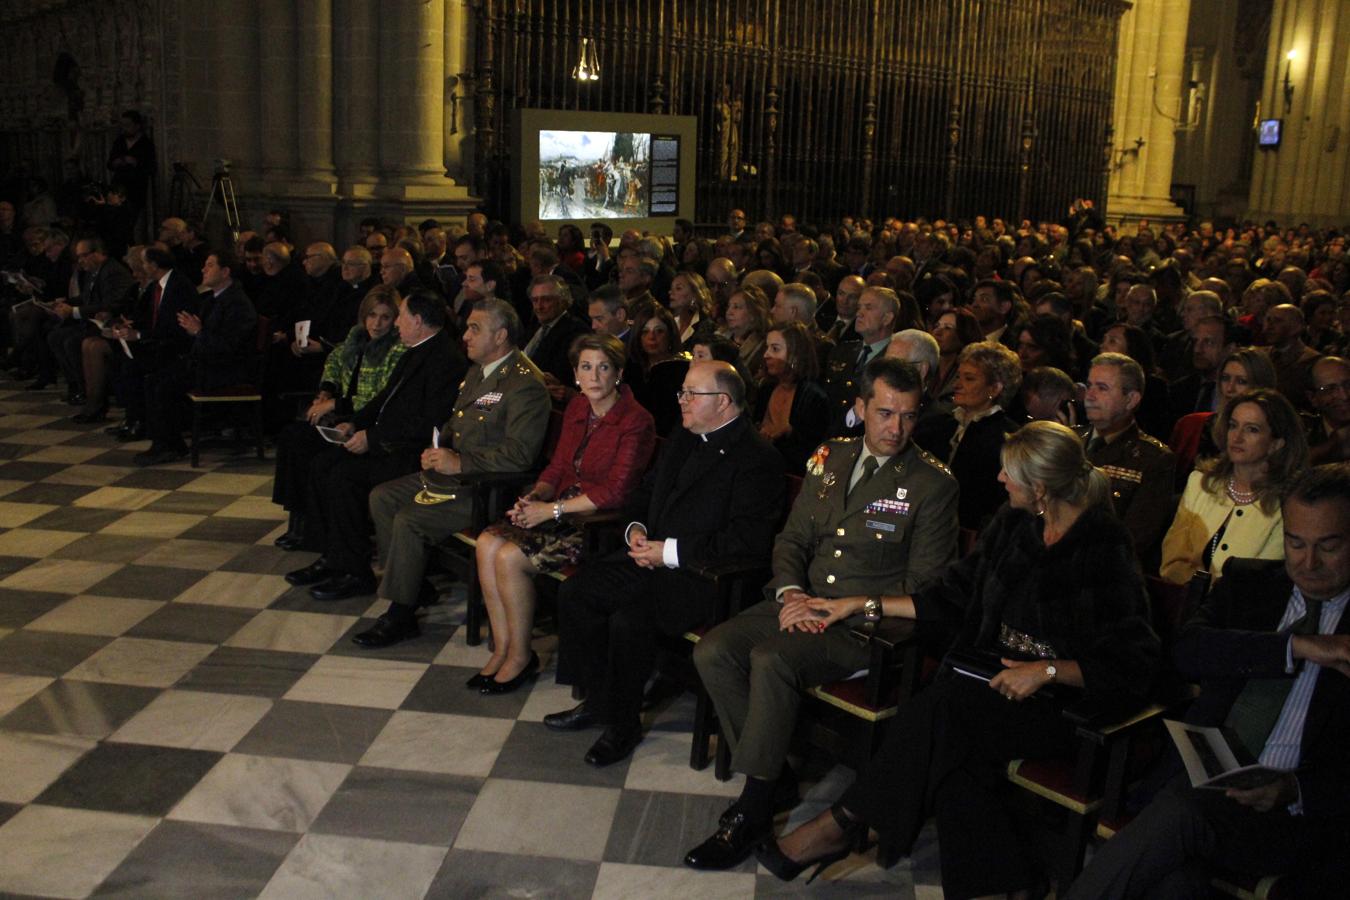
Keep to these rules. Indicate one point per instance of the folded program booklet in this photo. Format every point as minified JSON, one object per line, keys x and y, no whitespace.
{"x":332,"y":435}
{"x":1216,"y":761}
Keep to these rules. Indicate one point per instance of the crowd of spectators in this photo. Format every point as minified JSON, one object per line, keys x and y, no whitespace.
{"x":1099,"y":403}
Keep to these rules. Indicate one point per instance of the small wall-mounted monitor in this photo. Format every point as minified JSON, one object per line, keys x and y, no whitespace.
{"x":1268,"y":133}
{"x":630,"y":169}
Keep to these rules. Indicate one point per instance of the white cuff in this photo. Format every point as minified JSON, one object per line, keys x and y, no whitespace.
{"x":778,"y":594}
{"x":851,"y":418}
{"x":670,"y":554}
{"x":1289,"y":667}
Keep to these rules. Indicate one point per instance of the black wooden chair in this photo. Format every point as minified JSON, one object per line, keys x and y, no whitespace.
{"x":248,"y":394}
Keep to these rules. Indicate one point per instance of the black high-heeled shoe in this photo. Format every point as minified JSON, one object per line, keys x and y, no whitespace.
{"x":787,"y":869}
{"x":477,"y":681}
{"x":494,"y":686}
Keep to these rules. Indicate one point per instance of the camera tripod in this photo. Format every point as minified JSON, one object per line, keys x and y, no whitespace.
{"x":223,"y":185}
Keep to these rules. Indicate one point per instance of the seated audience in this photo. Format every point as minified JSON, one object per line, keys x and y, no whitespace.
{"x":1054,"y":599}
{"x":748,"y":320}
{"x":756,"y":665}
{"x":657,"y":365}
{"x":604,"y":448}
{"x":354,"y":372}
{"x":224,"y":339}
{"x":1243,"y":369}
{"x":878,"y":309}
{"x":716,"y":493}
{"x":384,"y":442}
{"x":954,"y":329}
{"x":987,"y":380}
{"x":1155,"y":413}
{"x":792,"y":411}
{"x":1270,"y":647}
{"x":1139,"y":465}
{"x":691,"y":304}
{"x":1292,"y":359}
{"x":1329,"y":431}
{"x":1049,"y":394}
{"x":1231,"y":503}
{"x":549,"y":342}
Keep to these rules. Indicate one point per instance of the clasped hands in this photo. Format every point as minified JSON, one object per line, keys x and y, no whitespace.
{"x":812,"y":615}
{"x":529,"y":512}
{"x":441,"y":459}
{"x":646,"y":553}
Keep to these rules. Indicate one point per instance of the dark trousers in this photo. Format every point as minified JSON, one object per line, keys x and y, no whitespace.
{"x":64,"y":341}
{"x":609,"y":615}
{"x":1169,"y":848}
{"x":166,"y":404}
{"x":946,"y":754}
{"x":32,"y":325}
{"x":298,"y":446}
{"x":337,"y":503}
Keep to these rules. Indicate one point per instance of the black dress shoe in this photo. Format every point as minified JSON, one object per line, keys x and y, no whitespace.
{"x":736,"y":836}
{"x":771,"y":856}
{"x":89,"y":418}
{"x":134,"y":433}
{"x":385,"y":632}
{"x":343,"y":586}
{"x":531,"y":669}
{"x":311,"y":574}
{"x":477,"y":680}
{"x":615,"y":744}
{"x":75,"y":398}
{"x":578,"y":718}
{"x":289,"y":541}
{"x":159,"y":456}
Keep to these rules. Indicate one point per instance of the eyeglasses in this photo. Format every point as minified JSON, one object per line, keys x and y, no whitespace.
{"x":1326,"y":390}
{"x":682,"y":394}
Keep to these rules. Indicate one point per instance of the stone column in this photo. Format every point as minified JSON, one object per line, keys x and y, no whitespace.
{"x":228,"y":126}
{"x":1151,"y":55}
{"x":1305,"y":178}
{"x":314,"y":88}
{"x":412,"y":97}
{"x":277,"y":91}
{"x":356,"y":94}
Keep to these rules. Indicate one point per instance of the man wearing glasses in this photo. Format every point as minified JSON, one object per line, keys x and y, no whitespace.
{"x":1329,"y":432}
{"x":716,"y":494}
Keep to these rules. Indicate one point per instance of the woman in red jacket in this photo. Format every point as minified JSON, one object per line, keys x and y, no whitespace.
{"x":606,"y":442}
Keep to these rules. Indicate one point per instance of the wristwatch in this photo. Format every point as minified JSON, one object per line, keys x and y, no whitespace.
{"x":1051,"y":671}
{"x":872,"y":608}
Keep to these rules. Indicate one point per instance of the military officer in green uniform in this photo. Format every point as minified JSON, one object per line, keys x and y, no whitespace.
{"x":498,"y":424}
{"x":1140,"y":466}
{"x":875,"y":516}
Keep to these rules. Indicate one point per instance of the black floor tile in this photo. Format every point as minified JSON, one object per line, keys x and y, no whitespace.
{"x":318,"y":731}
{"x":204,"y":862}
{"x":130,"y":778}
{"x":75,"y":518}
{"x":56,"y":494}
{"x":441,"y":690}
{"x":474,"y":873}
{"x":238,"y":531}
{"x":46,"y":653}
{"x":393,"y":805}
{"x":533,"y":753}
{"x":147,"y":582}
{"x":193,"y":622}
{"x":82,"y":708}
{"x":238,"y":670}
{"x":18,"y":608}
{"x":655,"y":829}
{"x":157,"y":479}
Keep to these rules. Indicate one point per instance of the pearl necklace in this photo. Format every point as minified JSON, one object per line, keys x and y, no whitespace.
{"x":1241,"y":498}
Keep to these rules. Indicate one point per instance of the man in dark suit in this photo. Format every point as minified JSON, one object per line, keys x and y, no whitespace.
{"x":498,"y":425}
{"x":556,"y":328}
{"x":1199,"y":391}
{"x":105,"y":288}
{"x":155,"y":338}
{"x":1271,"y":648}
{"x":384,"y":441}
{"x":716,"y":494}
{"x":223,"y":338}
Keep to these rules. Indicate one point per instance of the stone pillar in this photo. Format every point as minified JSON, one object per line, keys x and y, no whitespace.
{"x":1151,"y":55}
{"x":356,"y":95}
{"x":277,"y":92}
{"x":1305,"y":178}
{"x":412,"y":97}
{"x":314,"y":88}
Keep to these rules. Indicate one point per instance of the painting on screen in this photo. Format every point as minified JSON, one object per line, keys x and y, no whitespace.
{"x":593,"y":174}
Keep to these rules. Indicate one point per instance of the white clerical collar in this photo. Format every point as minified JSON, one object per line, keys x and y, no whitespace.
{"x":705,"y":434}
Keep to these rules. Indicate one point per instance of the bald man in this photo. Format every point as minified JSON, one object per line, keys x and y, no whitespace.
{"x":716,"y":493}
{"x":1293,"y":360}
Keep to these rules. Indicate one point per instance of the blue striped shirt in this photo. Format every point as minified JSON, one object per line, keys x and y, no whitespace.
{"x":1284,"y":747}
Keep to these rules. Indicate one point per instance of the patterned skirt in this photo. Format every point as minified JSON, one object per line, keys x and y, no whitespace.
{"x":550,"y":546}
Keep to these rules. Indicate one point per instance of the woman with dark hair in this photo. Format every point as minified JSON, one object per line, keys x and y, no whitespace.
{"x":654,"y":346}
{"x":1319,"y":310}
{"x":747,"y":323}
{"x":769,"y":256}
{"x":606,"y":442}
{"x":936,"y":295}
{"x":355,"y":371}
{"x":1231,"y":505}
{"x":1046,"y":340}
{"x":1051,"y":605}
{"x":794,"y":413}
{"x":954,"y":330}
{"x":908,"y":314}
{"x":698,"y":252}
{"x":1132,"y":341}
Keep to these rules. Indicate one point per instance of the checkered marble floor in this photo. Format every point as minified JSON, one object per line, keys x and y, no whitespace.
{"x":176,"y":721}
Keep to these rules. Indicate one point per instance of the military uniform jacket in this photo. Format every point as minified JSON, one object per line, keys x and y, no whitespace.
{"x":896,"y":532}
{"x":499,"y":423}
{"x":1141,"y":470}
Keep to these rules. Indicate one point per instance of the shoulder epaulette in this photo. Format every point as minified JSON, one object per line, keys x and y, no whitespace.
{"x":1150,"y":439}
{"x":934,"y":462}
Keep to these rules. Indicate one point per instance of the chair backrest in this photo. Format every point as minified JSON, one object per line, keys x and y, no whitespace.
{"x":967,"y":540}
